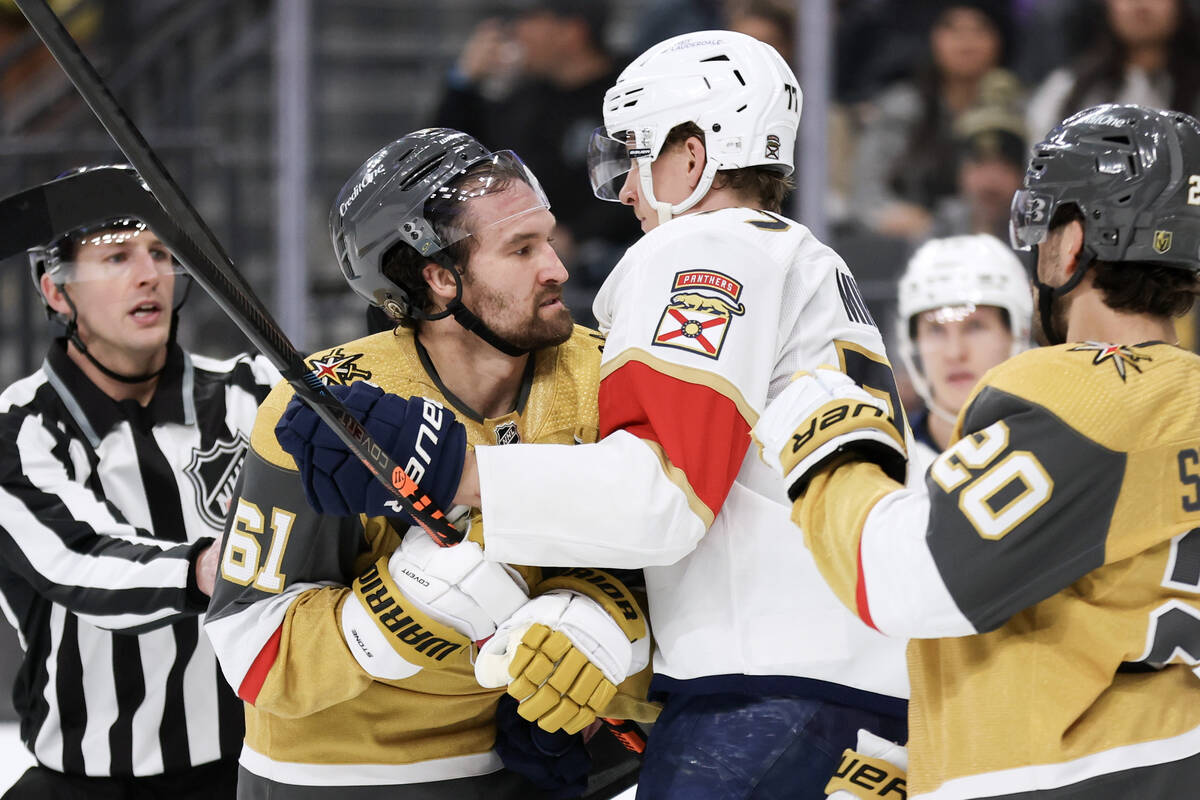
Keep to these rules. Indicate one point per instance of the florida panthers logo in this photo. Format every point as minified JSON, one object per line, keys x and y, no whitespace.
{"x":213,"y":474}
{"x":698,"y":321}
{"x":773,"y":144}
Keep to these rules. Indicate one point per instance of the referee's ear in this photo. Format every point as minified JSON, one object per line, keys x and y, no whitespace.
{"x":53,"y":294}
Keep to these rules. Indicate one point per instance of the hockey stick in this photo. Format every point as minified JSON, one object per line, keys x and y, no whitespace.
{"x":204,"y":258}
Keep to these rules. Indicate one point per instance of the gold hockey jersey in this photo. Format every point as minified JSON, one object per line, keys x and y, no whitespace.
{"x":1049,"y":575}
{"x":313,"y":716}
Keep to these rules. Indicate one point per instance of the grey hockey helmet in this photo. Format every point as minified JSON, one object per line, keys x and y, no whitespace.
{"x":385,"y":203}
{"x":1133,"y":172}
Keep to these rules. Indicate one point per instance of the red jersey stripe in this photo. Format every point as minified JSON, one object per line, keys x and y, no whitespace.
{"x":699,"y":429}
{"x":256,"y":676}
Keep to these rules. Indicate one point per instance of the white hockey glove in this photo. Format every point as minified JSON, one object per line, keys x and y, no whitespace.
{"x":413,"y":609}
{"x":876,"y":770}
{"x":561,"y":655}
{"x":820,"y":416}
{"x":456,"y":586}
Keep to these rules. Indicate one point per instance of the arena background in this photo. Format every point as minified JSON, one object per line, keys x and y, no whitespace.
{"x":261,"y":109}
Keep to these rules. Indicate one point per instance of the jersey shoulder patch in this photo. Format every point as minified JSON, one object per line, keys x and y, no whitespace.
{"x":1107,"y":392}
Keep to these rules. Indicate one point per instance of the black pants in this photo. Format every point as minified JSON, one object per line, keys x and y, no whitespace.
{"x":213,"y":781}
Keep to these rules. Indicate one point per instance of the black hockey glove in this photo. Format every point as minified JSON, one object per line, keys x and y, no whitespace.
{"x":420,"y":435}
{"x":557,"y":763}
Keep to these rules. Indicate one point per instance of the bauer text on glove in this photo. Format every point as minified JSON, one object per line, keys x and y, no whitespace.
{"x":824,"y":415}
{"x":419,"y":434}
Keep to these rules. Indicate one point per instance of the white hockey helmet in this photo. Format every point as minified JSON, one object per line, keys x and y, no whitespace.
{"x":738,"y":90}
{"x":974,"y":270}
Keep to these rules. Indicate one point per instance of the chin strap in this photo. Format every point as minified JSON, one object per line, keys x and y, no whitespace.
{"x":666,"y":212}
{"x":465,"y":317}
{"x":1047,"y":293}
{"x":74,"y":338}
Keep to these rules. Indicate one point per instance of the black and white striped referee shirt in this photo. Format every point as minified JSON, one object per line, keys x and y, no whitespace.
{"x":103,"y":505}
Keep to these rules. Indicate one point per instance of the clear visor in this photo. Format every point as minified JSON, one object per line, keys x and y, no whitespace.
{"x":112,"y":252}
{"x":504,"y":174}
{"x":1029,"y":218}
{"x":609,"y":160}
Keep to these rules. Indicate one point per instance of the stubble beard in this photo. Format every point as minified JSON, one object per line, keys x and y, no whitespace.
{"x":535,"y":332}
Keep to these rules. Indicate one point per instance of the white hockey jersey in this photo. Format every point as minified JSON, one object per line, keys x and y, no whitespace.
{"x":707,"y":318}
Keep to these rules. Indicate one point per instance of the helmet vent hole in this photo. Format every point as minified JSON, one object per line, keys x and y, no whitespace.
{"x":738,"y":75}
{"x":707,"y":84}
{"x":420,"y":173}
{"x":401,"y":158}
{"x":1124,"y":200}
{"x":721,"y":57}
{"x":630,"y":103}
{"x":743,"y":108}
{"x":1122,"y":140}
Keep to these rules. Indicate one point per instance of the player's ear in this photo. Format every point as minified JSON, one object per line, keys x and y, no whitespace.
{"x":1070,"y":246}
{"x":697,"y":158}
{"x":441,"y":282}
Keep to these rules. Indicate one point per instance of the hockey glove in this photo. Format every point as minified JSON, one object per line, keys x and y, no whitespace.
{"x":424,"y":603}
{"x":876,"y":770}
{"x":420,"y":435}
{"x":822,"y":415}
{"x":393,"y":636}
{"x":455,"y":586}
{"x":557,"y":763}
{"x":562,"y":656}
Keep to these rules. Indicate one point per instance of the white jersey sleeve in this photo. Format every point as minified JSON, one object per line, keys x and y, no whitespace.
{"x":707,"y":318}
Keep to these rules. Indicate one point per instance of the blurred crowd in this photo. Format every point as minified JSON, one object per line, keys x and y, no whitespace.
{"x":935,"y":104}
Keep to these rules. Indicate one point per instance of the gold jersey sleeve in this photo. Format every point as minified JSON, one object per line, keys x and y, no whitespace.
{"x":1064,"y":526}
{"x":308,"y":700}
{"x":1067,"y":528}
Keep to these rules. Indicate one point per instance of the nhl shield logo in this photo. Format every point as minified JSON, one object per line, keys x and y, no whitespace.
{"x":213,"y":474}
{"x":1162,"y":241}
{"x":507,"y":433}
{"x":698,"y":321}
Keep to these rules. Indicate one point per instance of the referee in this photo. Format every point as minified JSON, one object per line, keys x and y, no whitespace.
{"x":117,"y":461}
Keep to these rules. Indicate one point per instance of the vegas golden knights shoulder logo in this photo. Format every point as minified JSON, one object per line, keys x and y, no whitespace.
{"x":696,"y":320}
{"x":1162,"y":241}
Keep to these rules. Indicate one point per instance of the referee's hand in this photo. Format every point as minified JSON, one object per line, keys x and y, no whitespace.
{"x":206,"y":567}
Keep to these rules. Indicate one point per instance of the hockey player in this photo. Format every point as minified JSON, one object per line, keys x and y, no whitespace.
{"x":764,"y":676}
{"x":1047,"y":571}
{"x":964,"y":306}
{"x":119,"y":456}
{"x":352,"y":640}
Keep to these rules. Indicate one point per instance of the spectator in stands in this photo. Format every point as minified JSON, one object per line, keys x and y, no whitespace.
{"x":769,"y":21}
{"x":991,"y":154}
{"x":900,"y":162}
{"x":658,"y":20}
{"x":1148,"y":53}
{"x":548,"y":113}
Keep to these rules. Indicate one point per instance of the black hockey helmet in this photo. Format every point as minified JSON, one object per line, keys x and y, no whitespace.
{"x":1134,"y":174}
{"x":384,"y":204}
{"x":97,"y":204}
